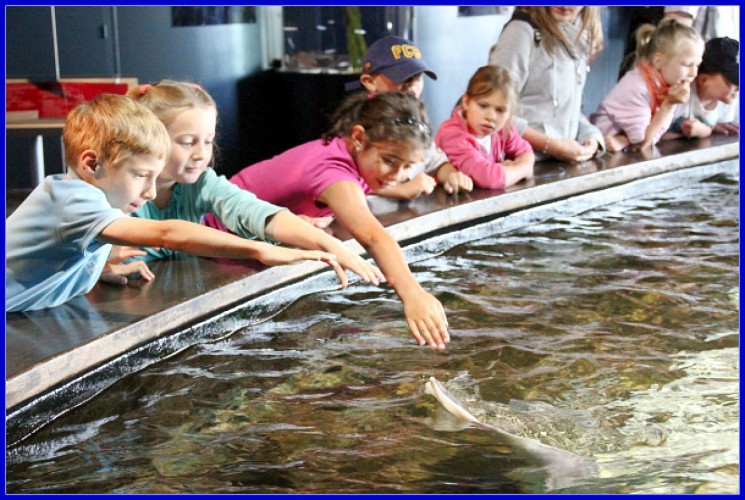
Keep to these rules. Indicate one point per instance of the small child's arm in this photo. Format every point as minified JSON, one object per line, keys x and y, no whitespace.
{"x":518,"y":169}
{"x":453,"y":180}
{"x":677,"y":94}
{"x":617,"y":142}
{"x":727,"y":128}
{"x":693,"y":128}
{"x":467,"y":158}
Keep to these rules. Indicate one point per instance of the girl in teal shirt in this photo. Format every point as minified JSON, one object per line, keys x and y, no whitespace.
{"x":188,"y":188}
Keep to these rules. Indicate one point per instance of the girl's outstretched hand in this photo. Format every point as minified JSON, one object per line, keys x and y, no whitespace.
{"x":278,"y":256}
{"x":426,"y":319}
{"x":350,"y":260}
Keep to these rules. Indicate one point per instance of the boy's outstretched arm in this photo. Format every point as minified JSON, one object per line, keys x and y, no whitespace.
{"x":424,"y":313}
{"x":192,"y":238}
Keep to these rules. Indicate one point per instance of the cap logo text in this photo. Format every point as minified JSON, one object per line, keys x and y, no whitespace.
{"x":407,"y":51}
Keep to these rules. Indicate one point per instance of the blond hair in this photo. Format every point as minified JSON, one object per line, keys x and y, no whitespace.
{"x":664,"y":38}
{"x":589,"y":37}
{"x":168,"y":98}
{"x":116,"y":128}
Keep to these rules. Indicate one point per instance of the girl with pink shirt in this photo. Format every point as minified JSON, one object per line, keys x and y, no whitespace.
{"x":479,"y":138}
{"x":370,"y":146}
{"x":641,"y":106}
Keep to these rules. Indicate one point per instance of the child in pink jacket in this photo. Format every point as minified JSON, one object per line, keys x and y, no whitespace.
{"x":479,"y":138}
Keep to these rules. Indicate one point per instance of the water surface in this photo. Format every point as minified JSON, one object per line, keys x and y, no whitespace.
{"x":612,"y":334}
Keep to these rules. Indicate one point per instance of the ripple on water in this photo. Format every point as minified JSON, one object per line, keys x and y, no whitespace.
{"x":611,"y":334}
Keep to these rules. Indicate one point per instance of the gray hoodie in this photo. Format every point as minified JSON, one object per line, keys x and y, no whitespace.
{"x":550,"y":87}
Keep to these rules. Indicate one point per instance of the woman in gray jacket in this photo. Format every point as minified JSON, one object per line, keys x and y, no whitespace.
{"x":548,"y":50}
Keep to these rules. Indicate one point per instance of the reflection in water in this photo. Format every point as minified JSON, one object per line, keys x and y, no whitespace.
{"x":612,"y":335}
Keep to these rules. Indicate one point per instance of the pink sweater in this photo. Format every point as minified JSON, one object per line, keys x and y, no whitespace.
{"x":467,"y":155}
{"x":626,"y":109}
{"x":296,"y":178}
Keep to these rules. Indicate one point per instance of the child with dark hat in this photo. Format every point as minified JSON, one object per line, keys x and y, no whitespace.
{"x":394,"y":64}
{"x":714,"y":93}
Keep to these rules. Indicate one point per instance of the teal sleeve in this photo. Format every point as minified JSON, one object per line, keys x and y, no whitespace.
{"x":239,"y":210}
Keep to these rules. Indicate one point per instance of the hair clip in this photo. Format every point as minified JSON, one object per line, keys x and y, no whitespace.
{"x":144,"y":87}
{"x":197,"y":86}
{"x":411,"y":121}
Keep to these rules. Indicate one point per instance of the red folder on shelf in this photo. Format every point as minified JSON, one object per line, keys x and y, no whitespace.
{"x":29,"y":101}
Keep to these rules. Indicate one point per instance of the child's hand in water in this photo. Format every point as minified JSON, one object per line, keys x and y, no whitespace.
{"x":117,"y":273}
{"x":426,"y":319}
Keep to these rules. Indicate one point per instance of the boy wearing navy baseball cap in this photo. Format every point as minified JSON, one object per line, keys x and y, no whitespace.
{"x":714,"y":93}
{"x":394,"y":64}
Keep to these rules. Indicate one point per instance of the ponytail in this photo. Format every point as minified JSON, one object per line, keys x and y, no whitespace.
{"x":665,"y":38}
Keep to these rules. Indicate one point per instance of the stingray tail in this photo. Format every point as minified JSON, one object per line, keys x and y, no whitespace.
{"x":434,"y":388}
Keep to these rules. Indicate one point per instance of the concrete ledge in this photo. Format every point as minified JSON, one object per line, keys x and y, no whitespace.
{"x":50,"y":353}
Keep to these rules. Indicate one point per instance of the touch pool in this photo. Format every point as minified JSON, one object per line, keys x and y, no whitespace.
{"x":608,"y":331}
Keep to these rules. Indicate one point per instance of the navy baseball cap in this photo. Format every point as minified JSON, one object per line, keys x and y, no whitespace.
{"x":395,"y":57}
{"x":722,"y":56}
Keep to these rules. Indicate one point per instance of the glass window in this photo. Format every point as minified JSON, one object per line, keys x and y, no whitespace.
{"x":334,"y":39}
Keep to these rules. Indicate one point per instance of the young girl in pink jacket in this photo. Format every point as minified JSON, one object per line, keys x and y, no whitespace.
{"x":479,"y":138}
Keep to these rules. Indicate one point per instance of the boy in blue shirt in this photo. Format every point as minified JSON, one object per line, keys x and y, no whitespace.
{"x":59,"y":239}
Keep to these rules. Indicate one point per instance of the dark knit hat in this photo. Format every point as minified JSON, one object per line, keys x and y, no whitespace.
{"x":721,"y":55}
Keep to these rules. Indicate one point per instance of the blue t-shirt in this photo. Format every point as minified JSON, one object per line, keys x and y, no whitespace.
{"x":51,"y":252}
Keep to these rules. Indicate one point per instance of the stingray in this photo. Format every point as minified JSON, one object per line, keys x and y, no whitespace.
{"x":562,"y":468}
